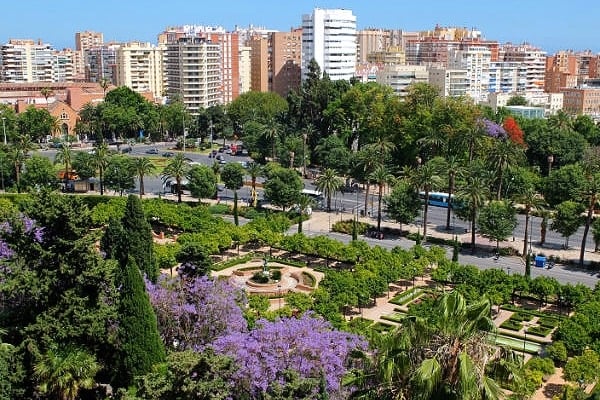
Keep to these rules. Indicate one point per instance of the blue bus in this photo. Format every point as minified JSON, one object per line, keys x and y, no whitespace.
{"x":437,"y":199}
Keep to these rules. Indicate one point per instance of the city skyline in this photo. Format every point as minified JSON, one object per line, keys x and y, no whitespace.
{"x":542,"y":24}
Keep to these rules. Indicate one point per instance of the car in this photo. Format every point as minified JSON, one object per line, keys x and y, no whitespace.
{"x":152,"y":150}
{"x":222,"y":161}
{"x":212,"y":154}
{"x":219,"y":157}
{"x":126,"y":149}
{"x":227,"y":151}
{"x":168,"y":154}
{"x":221,"y":149}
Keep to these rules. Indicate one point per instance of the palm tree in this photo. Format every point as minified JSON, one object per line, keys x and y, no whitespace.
{"x":381,"y":176}
{"x":425,"y":179}
{"x":176,"y":169}
{"x":65,"y":156}
{"x":502,"y":156}
{"x":454,"y":168}
{"x":62,"y":373}
{"x":329,"y":184}
{"x":20,"y":149}
{"x":271,"y":132}
{"x":46,"y":92}
{"x":530,"y":200}
{"x":474,"y":194}
{"x":305,"y":202}
{"x":590,"y":195}
{"x":368,"y":159}
{"x":100,"y":161}
{"x":143,"y":167}
{"x":446,"y":357}
{"x":104,"y":83}
{"x":254,"y":170}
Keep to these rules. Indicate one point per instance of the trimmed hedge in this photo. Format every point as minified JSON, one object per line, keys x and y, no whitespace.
{"x":394,"y":317}
{"x":510,"y":307}
{"x":232,"y":261}
{"x":521,"y":336}
{"x":539,"y":331}
{"x":407,"y":296}
{"x":511,"y":325}
{"x":381,"y":327}
{"x":548,"y":322}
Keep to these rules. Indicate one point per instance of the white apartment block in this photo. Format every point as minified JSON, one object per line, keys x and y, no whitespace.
{"x":449,"y":82}
{"x":140,"y":67}
{"x":507,"y":77}
{"x":64,"y":65}
{"x":532,"y":59}
{"x":329,"y":37}
{"x":476,"y":60}
{"x":245,"y":69}
{"x":26,"y":61}
{"x":193,"y":72}
{"x":400,"y":77}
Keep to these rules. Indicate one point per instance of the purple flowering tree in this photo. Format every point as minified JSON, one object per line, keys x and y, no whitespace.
{"x":16,"y":232}
{"x":307,"y":345}
{"x":193,"y":312}
{"x":493,"y":130}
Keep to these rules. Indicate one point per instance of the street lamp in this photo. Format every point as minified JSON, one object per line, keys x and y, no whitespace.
{"x":304,"y":136}
{"x":279,"y":293}
{"x":4,"y":129}
{"x":550,"y":161}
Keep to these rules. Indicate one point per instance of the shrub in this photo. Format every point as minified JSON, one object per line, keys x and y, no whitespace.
{"x":276,"y":274}
{"x":539,"y":331}
{"x":548,"y":322}
{"x":544,"y":365}
{"x":511,"y":325}
{"x":308,"y":279}
{"x":346,"y":227}
{"x":259,"y":277}
{"x":219,"y":209}
{"x":381,"y":327}
{"x":557,"y":352}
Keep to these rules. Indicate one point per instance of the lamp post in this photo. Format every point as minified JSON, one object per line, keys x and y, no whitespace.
{"x":279,"y":293}
{"x":550,"y":161}
{"x":304,"y":137}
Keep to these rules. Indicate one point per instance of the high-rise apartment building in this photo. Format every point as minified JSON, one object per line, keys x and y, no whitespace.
{"x":507,"y":77}
{"x":476,"y":61}
{"x":260,"y":63}
{"x":449,"y":82}
{"x":83,"y":41}
{"x":532,"y":59}
{"x":101,"y":62}
{"x":26,"y":61}
{"x":329,"y":37}
{"x":245,"y":69}
{"x":193,"y":72}
{"x":228,"y":43}
{"x":400,"y":77}
{"x":140,"y":67}
{"x":560,"y":72}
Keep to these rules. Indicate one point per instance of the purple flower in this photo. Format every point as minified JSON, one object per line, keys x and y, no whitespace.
{"x":307,"y":345}
{"x":494,"y":130}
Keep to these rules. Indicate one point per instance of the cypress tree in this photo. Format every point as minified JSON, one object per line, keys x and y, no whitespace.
{"x":112,"y":242}
{"x":138,"y":238}
{"x":140,"y":345}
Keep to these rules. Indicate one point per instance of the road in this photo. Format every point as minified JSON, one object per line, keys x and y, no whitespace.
{"x":354,"y":202}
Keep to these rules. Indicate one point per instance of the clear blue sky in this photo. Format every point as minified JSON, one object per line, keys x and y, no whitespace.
{"x":550,"y":24}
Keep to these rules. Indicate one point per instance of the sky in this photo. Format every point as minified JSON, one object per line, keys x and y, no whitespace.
{"x":549,"y":24}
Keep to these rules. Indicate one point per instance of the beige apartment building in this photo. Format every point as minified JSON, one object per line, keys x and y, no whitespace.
{"x":139,"y":66}
{"x":582,"y":100}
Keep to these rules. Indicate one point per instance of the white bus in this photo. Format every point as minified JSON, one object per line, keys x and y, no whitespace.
{"x":315,"y":194}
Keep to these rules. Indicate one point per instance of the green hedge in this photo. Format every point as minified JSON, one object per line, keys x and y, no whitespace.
{"x":394,"y":317}
{"x":381,"y":327}
{"x":510,"y":307}
{"x":520,"y":317}
{"x":308,"y":279}
{"x":539,"y":331}
{"x":511,"y":325}
{"x":521,"y":336}
{"x":407,"y":296}
{"x":548,"y":322}
{"x":232,"y":261}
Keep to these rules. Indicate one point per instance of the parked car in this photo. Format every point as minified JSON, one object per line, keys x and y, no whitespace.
{"x":126,"y":149}
{"x":168,"y":154}
{"x":152,"y":150}
{"x":212,"y":154}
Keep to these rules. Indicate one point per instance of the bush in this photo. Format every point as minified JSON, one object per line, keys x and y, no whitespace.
{"x":252,"y":213}
{"x":232,"y":261}
{"x":276,"y":274}
{"x":308,"y":279}
{"x":259,"y":277}
{"x":548,"y":322}
{"x":539,"y":331}
{"x":557,"y":352}
{"x":346,"y":227}
{"x":511,"y":325}
{"x":219,"y":209}
{"x":544,"y":365}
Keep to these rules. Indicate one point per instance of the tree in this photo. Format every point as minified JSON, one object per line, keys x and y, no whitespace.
{"x":140,"y":347}
{"x":264,"y":353}
{"x":202,"y":181}
{"x":233,"y":177}
{"x":403,"y":203}
{"x":445,"y":357}
{"x":425,"y":179}
{"x":46,"y":92}
{"x":567,"y":219}
{"x":120,"y":174}
{"x":38,"y":173}
{"x":565,"y":183}
{"x":143,"y":167}
{"x":473,"y":194}
{"x":497,"y":220}
{"x":194,"y":311}
{"x":282,"y":186}
{"x":329,"y":184}
{"x":176,"y":169}
{"x":138,"y":238}
{"x":18,"y":154}
{"x":516,"y":100}
{"x":64,"y":156}
{"x":583,"y":369}
{"x":382,"y":177}
{"x":590,"y":194}
{"x":304,"y":204}
{"x":64,"y":372}
{"x":530,"y":200}
{"x":100,"y":162}
{"x":195,"y":260}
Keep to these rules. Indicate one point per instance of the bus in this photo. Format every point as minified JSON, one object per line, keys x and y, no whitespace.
{"x":437,"y":199}
{"x":315,"y":194}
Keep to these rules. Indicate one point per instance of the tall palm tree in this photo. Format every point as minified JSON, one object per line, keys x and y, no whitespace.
{"x":20,"y":149}
{"x":502,"y":156}
{"x":176,"y":169}
{"x":104,"y":83}
{"x":425,"y":179}
{"x":590,"y":195}
{"x":100,"y":161}
{"x":446,"y":357}
{"x":381,"y":177}
{"x":143,"y":167}
{"x":254,"y":170}
{"x":329,"y":184}
{"x":474,"y":193}
{"x":305,"y":202}
{"x":65,"y":156}
{"x":453,"y":166}
{"x":530,"y":199}
{"x":46,"y":92}
{"x":63,"y":373}
{"x":271,"y":133}
{"x":368,"y":159}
